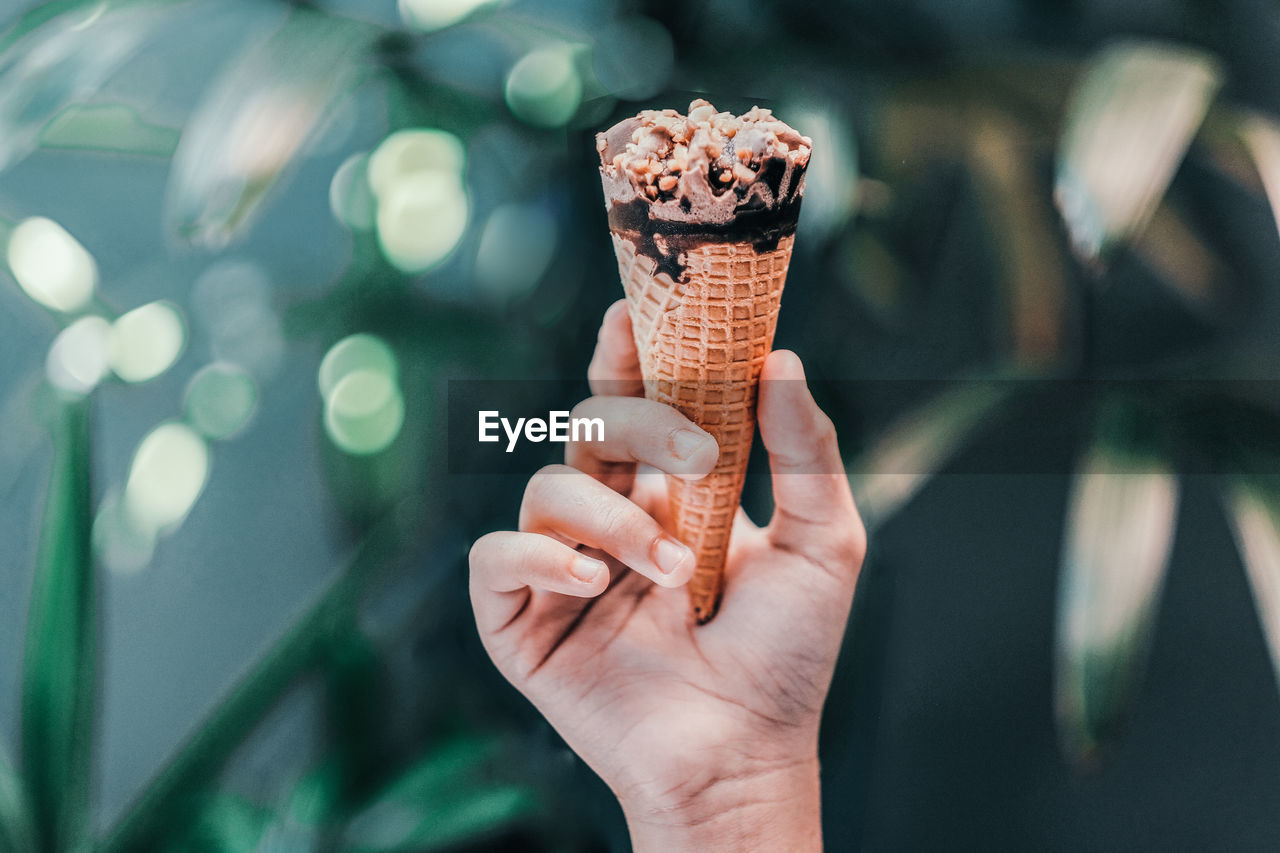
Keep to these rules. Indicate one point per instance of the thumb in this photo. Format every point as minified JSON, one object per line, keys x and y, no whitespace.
{"x":814,"y":514}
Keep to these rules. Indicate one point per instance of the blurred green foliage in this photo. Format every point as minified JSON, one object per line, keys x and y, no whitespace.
{"x":1003,"y":191}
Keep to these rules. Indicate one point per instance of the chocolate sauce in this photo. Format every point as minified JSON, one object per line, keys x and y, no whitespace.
{"x":761,"y":226}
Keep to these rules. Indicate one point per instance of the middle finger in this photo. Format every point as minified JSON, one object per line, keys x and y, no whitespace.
{"x":632,"y":429}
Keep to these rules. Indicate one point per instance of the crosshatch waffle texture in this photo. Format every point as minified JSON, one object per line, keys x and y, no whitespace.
{"x":702,"y":344}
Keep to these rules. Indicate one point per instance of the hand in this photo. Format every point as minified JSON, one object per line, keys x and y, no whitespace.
{"x":707,"y":734}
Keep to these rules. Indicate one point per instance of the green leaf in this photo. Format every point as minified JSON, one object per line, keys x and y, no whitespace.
{"x":1031,"y":272}
{"x":256,"y":118}
{"x":354,"y":710}
{"x":317,"y":795}
{"x":116,"y":128}
{"x":1253,"y":505}
{"x":890,"y":473}
{"x":17,"y":832}
{"x":63,"y":60}
{"x":58,"y":673}
{"x":173,"y":797}
{"x":1119,"y":533}
{"x":227,"y":824}
{"x":41,"y":13}
{"x":1129,"y":123}
{"x":1261,"y":136}
{"x":307,"y":817}
{"x":35,"y":17}
{"x":441,"y":801}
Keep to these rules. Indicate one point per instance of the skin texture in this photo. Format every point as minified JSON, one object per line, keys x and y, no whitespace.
{"x":707,"y":735}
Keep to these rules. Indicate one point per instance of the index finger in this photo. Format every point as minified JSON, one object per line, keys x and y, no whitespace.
{"x":615,"y":367}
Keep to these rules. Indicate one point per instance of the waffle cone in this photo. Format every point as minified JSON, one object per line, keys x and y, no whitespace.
{"x":702,"y":343}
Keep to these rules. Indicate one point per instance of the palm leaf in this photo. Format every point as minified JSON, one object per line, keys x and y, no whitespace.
{"x":1261,"y":136}
{"x":41,"y":13}
{"x":116,"y":128}
{"x":1130,"y":121}
{"x":442,"y":801}
{"x":909,"y":453}
{"x":173,"y":798}
{"x":1115,"y":552}
{"x":58,"y":673}
{"x":1253,"y":506}
{"x":227,"y":824}
{"x":257,"y":117}
{"x":1033,"y":275}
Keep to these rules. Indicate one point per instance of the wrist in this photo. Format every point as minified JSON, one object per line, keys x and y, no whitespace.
{"x":777,"y":807}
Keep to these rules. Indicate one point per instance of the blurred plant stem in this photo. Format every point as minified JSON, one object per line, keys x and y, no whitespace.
{"x":177,"y":794}
{"x":59,"y":670}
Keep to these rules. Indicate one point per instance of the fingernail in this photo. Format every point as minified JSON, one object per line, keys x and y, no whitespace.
{"x":586,"y":569}
{"x":687,"y":442}
{"x":669,"y":555}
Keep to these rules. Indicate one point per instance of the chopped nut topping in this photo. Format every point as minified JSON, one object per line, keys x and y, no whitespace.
{"x":733,"y":148}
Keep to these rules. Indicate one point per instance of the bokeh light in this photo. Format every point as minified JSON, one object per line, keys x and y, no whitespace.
{"x":421,"y":219}
{"x":124,"y":546}
{"x":350,"y":197}
{"x":78,"y":357}
{"x":220,"y":400}
{"x":414,"y":151}
{"x":416,"y":177}
{"x":146,"y":341}
{"x":364,"y":413}
{"x":633,"y":57}
{"x":544,"y":87}
{"x":359,"y":380}
{"x":429,"y":15}
{"x":169,"y":471}
{"x":51,"y":266}
{"x":516,"y":246}
{"x":352,"y":353}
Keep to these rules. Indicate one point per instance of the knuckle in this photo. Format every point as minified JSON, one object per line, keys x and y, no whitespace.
{"x":850,"y":547}
{"x":824,"y":429}
{"x":540,"y":489}
{"x":528,"y":556}
{"x":583,"y":409}
{"x":595,"y":370}
{"x":615,"y":519}
{"x":478,"y":554}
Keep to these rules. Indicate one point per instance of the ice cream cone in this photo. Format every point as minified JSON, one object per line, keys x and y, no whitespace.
{"x":702,"y":344}
{"x":703,"y":210}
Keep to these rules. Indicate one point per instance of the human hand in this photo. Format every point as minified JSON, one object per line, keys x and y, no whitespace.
{"x":706,"y":734}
